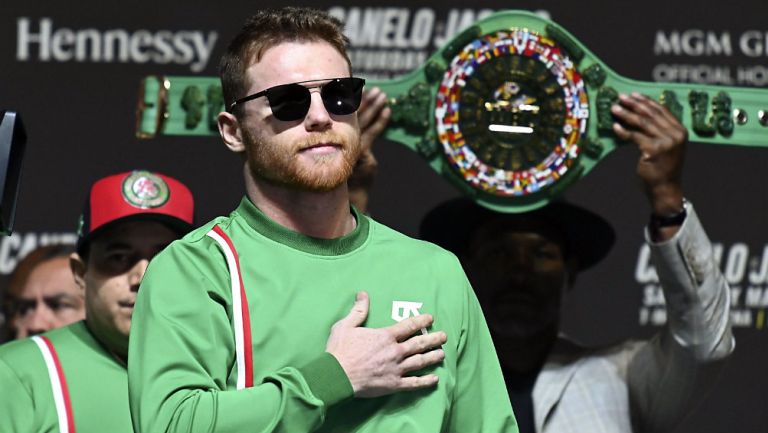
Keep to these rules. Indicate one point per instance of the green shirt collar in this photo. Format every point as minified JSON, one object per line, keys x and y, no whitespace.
{"x":324,"y":247}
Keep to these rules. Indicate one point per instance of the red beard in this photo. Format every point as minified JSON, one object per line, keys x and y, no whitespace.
{"x":282,"y":165}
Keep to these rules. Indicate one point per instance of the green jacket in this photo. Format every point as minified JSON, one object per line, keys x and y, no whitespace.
{"x":97,"y":385}
{"x":183,"y":368}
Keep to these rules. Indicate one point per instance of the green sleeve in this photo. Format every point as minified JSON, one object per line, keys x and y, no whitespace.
{"x":16,"y":405}
{"x":182,"y":357}
{"x":481,"y":402}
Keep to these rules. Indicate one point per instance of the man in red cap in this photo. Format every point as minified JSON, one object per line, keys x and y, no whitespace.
{"x":75,"y":378}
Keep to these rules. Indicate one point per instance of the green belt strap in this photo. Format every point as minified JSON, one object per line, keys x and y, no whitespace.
{"x":512,"y":110}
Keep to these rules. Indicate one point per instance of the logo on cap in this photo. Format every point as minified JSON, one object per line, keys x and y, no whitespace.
{"x":144,"y":190}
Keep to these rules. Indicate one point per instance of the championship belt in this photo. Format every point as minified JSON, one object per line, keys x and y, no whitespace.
{"x":513,"y":110}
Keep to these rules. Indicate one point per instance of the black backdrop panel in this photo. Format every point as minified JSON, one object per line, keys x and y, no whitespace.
{"x":78,"y":103}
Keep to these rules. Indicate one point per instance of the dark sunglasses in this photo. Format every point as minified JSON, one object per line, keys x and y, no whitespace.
{"x":291,"y":101}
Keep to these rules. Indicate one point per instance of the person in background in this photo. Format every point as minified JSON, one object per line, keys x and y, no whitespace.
{"x":521,"y":266}
{"x":74,"y":378}
{"x":42,"y":293}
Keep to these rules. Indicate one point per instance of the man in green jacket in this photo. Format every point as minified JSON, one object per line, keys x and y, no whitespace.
{"x":75,"y":378}
{"x":245,"y":324}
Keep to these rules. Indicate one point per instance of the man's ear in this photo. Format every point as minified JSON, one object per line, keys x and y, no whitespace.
{"x":78,"y":267}
{"x":229,"y":128}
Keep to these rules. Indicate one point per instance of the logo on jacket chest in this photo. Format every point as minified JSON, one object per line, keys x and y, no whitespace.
{"x":402,"y":310}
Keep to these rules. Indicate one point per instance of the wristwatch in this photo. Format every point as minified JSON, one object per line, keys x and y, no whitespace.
{"x":670,"y":220}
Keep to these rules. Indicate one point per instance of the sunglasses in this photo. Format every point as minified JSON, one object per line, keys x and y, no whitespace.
{"x":291,"y":101}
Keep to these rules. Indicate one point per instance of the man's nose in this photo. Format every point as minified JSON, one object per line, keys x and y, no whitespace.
{"x":317,"y":118}
{"x":136,"y":273}
{"x":39,"y":320}
{"x":517,"y":258}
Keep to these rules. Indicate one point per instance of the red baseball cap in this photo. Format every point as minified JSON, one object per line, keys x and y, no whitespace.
{"x":135,"y":195}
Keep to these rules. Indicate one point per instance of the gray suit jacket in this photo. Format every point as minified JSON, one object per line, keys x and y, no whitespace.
{"x":645,"y":386}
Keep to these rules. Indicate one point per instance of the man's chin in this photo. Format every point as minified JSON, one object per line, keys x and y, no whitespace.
{"x":316,"y":184}
{"x":306,"y":179}
{"x":322,"y":178}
